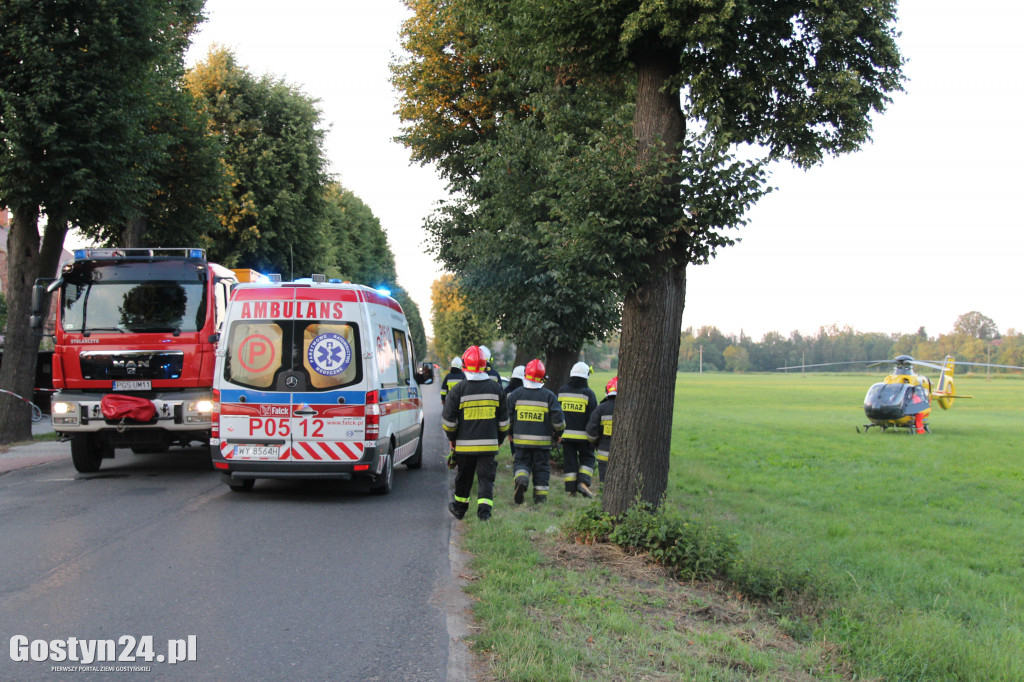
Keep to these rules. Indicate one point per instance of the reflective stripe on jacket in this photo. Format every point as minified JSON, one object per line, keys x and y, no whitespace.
{"x":599,"y":428}
{"x":536,"y":417}
{"x":578,"y":402}
{"x":475,"y":417}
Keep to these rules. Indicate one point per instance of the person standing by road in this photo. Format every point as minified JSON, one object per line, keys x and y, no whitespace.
{"x":578,"y":402}
{"x":537,"y":422}
{"x":599,"y":426}
{"x":453,"y":377}
{"x":475,"y":419}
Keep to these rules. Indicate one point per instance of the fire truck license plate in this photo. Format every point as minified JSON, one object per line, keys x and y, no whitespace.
{"x":133,"y":385}
{"x":257,"y":452}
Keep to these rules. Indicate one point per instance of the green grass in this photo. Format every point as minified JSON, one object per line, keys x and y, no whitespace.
{"x":920,"y":537}
{"x":904,"y":554}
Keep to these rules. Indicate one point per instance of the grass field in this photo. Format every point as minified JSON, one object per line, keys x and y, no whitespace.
{"x":911,"y":546}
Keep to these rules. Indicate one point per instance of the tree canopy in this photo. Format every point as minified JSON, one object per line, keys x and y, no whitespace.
{"x":76,"y":98}
{"x":676,"y":86}
{"x":272,"y":210}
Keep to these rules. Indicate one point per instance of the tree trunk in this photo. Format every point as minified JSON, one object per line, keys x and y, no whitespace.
{"x":558,"y":363}
{"x":21,"y":346}
{"x":652,"y":316}
{"x":134,"y":229}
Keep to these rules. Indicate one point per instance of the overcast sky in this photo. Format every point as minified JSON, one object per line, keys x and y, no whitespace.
{"x":920,"y":226}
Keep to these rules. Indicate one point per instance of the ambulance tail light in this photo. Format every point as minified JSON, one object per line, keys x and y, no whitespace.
{"x":372,"y":426}
{"x":215,"y":414}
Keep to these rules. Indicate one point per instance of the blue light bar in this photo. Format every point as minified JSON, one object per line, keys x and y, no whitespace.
{"x":79,"y":254}
{"x":195,"y":253}
{"x":383,"y":290}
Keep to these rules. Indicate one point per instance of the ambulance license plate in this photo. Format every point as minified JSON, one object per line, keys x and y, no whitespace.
{"x":257,"y":452}
{"x":133,"y":385}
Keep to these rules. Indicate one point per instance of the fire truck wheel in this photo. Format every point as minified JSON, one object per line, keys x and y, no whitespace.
{"x":384,"y":485}
{"x":416,"y":461}
{"x":86,"y":453}
{"x":243,"y":485}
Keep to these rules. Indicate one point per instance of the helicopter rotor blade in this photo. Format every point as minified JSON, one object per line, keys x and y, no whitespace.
{"x":986,"y":364}
{"x":833,"y":364}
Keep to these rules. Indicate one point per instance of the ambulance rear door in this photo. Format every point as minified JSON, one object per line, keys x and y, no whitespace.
{"x":293,"y":378}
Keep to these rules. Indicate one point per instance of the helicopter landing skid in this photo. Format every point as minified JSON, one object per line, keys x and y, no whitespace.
{"x":884,"y":427}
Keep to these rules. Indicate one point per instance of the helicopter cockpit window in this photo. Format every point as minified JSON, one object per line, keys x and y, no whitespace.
{"x":886,"y":394}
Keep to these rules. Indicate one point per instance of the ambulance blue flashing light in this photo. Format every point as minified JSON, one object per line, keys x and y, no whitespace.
{"x":79,"y":254}
{"x":195,"y":253}
{"x":383,"y":290}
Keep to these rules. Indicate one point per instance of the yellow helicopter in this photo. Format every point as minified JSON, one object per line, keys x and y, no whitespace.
{"x":903,"y":399}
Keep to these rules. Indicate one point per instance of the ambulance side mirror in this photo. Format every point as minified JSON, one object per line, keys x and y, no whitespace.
{"x":424,"y":375}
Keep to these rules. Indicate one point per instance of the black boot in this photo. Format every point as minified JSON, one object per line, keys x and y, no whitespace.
{"x":457,"y":509}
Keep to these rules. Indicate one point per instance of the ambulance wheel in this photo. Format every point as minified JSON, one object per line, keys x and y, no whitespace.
{"x":386,"y":476}
{"x":86,"y":453}
{"x":242,"y":485}
{"x":416,"y":461}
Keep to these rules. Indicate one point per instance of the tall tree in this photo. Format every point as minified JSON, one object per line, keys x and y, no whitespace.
{"x":976,"y":325}
{"x":456,"y":326}
{"x":799,"y":79}
{"x":272,"y":214}
{"x":74,"y":102}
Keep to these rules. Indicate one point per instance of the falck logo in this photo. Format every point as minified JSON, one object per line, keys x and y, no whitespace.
{"x":274,"y":411}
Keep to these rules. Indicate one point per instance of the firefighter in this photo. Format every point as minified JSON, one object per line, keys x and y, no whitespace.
{"x":490,"y":370}
{"x":515,"y":382}
{"x":475,"y":419}
{"x":599,"y":427}
{"x":578,"y":402}
{"x":453,"y":377}
{"x":537,"y":422}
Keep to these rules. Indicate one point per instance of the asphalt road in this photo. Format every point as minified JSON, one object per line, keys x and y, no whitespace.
{"x":296,"y":581}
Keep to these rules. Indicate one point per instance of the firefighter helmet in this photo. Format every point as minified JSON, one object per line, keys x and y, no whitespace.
{"x":613,"y":386}
{"x":457,"y":363}
{"x":535,"y":371}
{"x":580,"y":369}
{"x":473,"y":360}
{"x":519,"y":372}
{"x":487,"y":353}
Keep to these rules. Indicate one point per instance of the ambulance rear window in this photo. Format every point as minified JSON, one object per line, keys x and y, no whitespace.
{"x":255,"y":350}
{"x":328,"y":355}
{"x":315,"y":355}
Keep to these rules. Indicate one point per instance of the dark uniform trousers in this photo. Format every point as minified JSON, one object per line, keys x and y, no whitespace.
{"x":485,"y":467}
{"x":535,"y":462}
{"x":579,"y":463}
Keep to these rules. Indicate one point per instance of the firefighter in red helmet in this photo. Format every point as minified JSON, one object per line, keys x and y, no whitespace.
{"x":578,"y":402}
{"x":599,"y":428}
{"x":475,"y":419}
{"x":537,"y":423}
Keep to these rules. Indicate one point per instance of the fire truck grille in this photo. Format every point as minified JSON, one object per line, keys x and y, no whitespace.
{"x":132,"y":365}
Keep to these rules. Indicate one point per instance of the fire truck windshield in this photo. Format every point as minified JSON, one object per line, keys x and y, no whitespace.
{"x":151,"y":296}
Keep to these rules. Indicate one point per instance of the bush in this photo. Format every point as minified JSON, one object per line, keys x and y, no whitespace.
{"x":695,"y":550}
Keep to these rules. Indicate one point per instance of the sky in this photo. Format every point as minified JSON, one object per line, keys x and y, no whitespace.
{"x":920,"y":226}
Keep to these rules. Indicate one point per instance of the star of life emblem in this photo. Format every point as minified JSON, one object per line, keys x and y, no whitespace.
{"x":329,"y":354}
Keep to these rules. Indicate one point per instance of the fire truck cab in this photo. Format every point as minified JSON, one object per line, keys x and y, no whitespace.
{"x":315,"y":380}
{"x":134,"y":343}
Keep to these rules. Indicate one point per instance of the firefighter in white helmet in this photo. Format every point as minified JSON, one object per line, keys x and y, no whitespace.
{"x":578,"y":402}
{"x":537,"y":422}
{"x":453,"y":377}
{"x":490,"y":370}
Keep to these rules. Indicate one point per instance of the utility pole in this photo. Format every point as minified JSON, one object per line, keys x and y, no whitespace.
{"x":700,"y":367}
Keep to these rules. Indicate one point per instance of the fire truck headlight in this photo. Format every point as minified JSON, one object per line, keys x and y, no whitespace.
{"x":202,"y":406}
{"x":62,"y":412}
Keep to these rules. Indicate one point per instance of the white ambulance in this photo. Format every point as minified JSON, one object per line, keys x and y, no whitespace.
{"x":315,"y":380}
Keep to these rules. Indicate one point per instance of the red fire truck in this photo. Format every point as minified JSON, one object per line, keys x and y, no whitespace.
{"x":136,"y":332}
